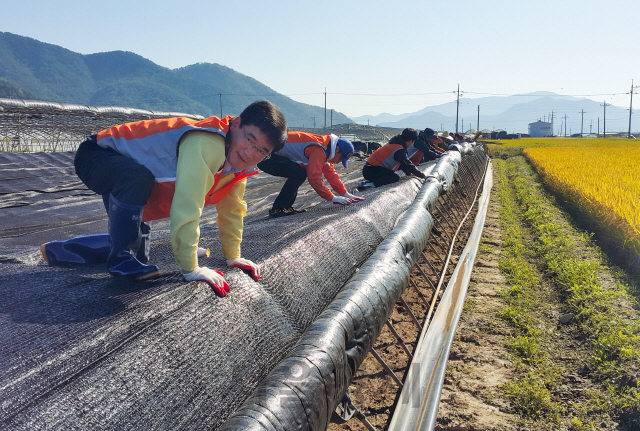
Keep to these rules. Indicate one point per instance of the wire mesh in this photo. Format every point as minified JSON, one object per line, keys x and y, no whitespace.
{"x":31,"y":126}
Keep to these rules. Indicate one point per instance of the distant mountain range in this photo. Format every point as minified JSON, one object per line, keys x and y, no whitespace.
{"x":513,"y":114}
{"x":30,"y":69}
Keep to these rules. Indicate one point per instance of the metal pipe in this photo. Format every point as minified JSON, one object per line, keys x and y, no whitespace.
{"x":365,"y":421}
{"x":435,"y":272}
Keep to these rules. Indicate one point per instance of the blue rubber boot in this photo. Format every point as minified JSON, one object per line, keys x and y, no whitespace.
{"x":89,"y":249}
{"x":145,"y":230}
{"x":125,"y":238}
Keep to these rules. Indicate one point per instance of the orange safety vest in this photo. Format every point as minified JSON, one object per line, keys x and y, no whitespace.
{"x":383,"y":156}
{"x":159,"y":204}
{"x":297,"y":142}
{"x":154,"y":144}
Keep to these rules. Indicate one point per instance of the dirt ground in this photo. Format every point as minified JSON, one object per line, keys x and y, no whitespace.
{"x":471,"y":397}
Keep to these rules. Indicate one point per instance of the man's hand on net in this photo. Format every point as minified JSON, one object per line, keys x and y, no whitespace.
{"x":352,"y":198}
{"x":214,"y":278}
{"x":246,"y":265}
{"x":340,"y":200}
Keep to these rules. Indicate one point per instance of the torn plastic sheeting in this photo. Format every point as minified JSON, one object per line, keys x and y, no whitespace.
{"x":349,"y":326}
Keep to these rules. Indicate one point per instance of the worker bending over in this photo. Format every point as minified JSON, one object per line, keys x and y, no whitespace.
{"x":171,"y":167}
{"x":306,"y":155}
{"x":424,"y":149}
{"x":381,"y":166}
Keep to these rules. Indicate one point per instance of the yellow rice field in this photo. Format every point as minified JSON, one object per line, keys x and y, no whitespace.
{"x":604,"y":181}
{"x":566,"y":142}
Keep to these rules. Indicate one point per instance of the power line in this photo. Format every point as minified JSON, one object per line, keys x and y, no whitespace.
{"x":543,"y":95}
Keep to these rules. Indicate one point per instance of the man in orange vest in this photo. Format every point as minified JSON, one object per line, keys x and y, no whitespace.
{"x":171,"y":167}
{"x":306,"y":155}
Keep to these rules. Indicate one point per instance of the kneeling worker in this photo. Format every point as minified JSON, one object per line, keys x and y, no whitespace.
{"x":171,"y":167}
{"x":306,"y":155}
{"x":426,"y":141}
{"x":380,"y":168}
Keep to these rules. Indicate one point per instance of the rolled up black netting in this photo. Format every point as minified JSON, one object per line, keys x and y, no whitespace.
{"x":80,"y":349}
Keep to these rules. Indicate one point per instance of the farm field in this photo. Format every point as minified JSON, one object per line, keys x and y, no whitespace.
{"x":604,"y":184}
{"x":549,"y":338}
{"x":596,"y":180}
{"x":564,"y":142}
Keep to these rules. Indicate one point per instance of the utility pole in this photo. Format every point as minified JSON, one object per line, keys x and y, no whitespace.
{"x":598,"y":127}
{"x":325,"y":107}
{"x":565,"y":125}
{"x":590,"y":127}
{"x":478,"y":127}
{"x":630,"y":109}
{"x":220,"y":94}
{"x":314,"y":121}
{"x":604,"y":122}
{"x":582,"y":123}
{"x":552,"y":122}
{"x":457,"y":107}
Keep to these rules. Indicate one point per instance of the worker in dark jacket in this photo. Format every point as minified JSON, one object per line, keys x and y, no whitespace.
{"x":380,"y":168}
{"x":426,"y":139}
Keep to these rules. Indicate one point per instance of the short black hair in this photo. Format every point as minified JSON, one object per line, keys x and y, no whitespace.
{"x":269,"y":119}
{"x":409,"y":134}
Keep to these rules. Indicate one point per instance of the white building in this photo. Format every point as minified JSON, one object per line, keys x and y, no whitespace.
{"x":540,"y":128}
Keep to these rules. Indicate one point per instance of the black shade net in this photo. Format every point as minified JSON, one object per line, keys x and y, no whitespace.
{"x":80,"y":349}
{"x":302,"y":391}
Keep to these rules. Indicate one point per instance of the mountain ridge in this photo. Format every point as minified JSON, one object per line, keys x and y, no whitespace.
{"x":513,"y":114}
{"x":32,"y":69}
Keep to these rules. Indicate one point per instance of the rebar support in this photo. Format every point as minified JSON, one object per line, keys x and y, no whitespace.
{"x":386,"y":367}
{"x":413,"y":316}
{"x":400,"y":340}
{"x":420,"y":294}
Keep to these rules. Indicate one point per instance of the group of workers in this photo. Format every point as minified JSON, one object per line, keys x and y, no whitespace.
{"x":173,"y":167}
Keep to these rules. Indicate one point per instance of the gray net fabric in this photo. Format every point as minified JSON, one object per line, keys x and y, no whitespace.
{"x":33,"y":125}
{"x":80,"y":349}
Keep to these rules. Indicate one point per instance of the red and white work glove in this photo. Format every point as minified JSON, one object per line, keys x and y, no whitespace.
{"x":214,"y":278}
{"x":352,"y":198}
{"x":247,"y":265}
{"x":340,"y":200}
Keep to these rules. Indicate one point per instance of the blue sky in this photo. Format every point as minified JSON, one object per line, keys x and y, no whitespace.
{"x":372,"y":56}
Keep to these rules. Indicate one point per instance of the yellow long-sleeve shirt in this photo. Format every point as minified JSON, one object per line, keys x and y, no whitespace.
{"x":201,"y":155}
